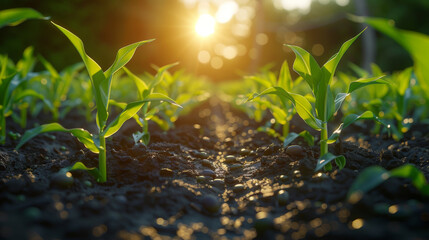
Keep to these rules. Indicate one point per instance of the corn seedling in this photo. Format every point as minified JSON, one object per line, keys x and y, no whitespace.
{"x":144,"y":92}
{"x":101,"y":85}
{"x":325,"y":105}
{"x":55,"y":87}
{"x":12,"y":92}
{"x":282,"y":115}
{"x":187,"y":90}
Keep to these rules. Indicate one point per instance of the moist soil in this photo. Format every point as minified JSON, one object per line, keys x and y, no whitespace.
{"x":184,"y":185}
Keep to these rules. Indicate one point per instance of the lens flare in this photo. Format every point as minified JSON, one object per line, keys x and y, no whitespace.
{"x":205,"y":25}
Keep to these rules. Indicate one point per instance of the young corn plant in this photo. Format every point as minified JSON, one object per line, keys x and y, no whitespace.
{"x":325,"y":105}
{"x":147,"y":112}
{"x":394,"y":102}
{"x":55,"y":87}
{"x":284,"y":114}
{"x":186,"y":90}
{"x":13,"y":92}
{"x":416,"y":45}
{"x":101,"y":85}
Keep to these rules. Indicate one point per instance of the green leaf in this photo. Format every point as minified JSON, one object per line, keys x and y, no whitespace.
{"x":141,"y":85}
{"x":82,"y":135}
{"x":373,"y":176}
{"x":301,"y":104}
{"x":327,"y":158}
{"x":414,"y":174}
{"x":306,"y":66}
{"x":330,"y":66}
{"x":330,"y":104}
{"x":368,"y":115}
{"x":368,"y":179}
{"x":80,"y":166}
{"x":130,"y":110}
{"x":96,"y":75}
{"x":339,"y":99}
{"x":278,"y":113}
{"x":123,"y":56}
{"x":4,"y":89}
{"x":122,"y":106}
{"x":340,"y":161}
{"x":324,"y":99}
{"x":160,"y":74}
{"x":292,"y":136}
{"x":403,"y":80}
{"x":363,"y":82}
{"x":15,"y":16}
{"x":285,"y":80}
{"x":144,"y":137}
{"x":415,"y":43}
{"x":49,"y":67}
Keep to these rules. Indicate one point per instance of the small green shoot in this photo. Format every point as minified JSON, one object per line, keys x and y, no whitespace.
{"x":144,"y":91}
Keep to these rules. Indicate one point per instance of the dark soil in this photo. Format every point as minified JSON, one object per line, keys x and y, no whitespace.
{"x":183,"y":185}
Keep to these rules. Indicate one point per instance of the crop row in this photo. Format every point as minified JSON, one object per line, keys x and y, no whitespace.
{"x":317,"y":95}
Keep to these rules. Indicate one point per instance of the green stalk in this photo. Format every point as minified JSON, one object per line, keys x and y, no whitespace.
{"x":324,"y":139}
{"x":145,"y":126}
{"x":286,"y":129}
{"x":102,"y":160}
{"x":23,"y":120}
{"x":2,"y":128}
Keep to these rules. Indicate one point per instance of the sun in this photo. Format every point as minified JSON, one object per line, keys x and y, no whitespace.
{"x":205,"y":25}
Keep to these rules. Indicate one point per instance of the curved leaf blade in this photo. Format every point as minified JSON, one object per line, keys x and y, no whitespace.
{"x":301,"y":104}
{"x":96,"y":75}
{"x":348,"y":120}
{"x":306,"y":66}
{"x":123,"y":56}
{"x":82,"y":135}
{"x":160,"y":74}
{"x":15,"y":16}
{"x":363,"y":82}
{"x":141,"y":85}
{"x":331,"y":65}
{"x":339,"y":99}
{"x":373,"y":176}
{"x":285,"y":79}
{"x":327,"y":158}
{"x":414,"y":174}
{"x":130,"y":110}
{"x":81,"y":166}
{"x":368,"y":179}
{"x":415,"y":43}
{"x":292,"y":136}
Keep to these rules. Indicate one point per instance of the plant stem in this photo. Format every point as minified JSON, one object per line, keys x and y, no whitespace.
{"x":102,"y":160}
{"x":2,"y":128}
{"x":286,"y":129}
{"x":324,"y":139}
{"x":23,"y":120}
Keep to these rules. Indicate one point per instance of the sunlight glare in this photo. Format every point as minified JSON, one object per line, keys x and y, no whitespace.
{"x":290,"y":5}
{"x":226,"y":11}
{"x":205,"y":25}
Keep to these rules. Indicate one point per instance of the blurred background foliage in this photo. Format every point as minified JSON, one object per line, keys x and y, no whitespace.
{"x":248,"y":34}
